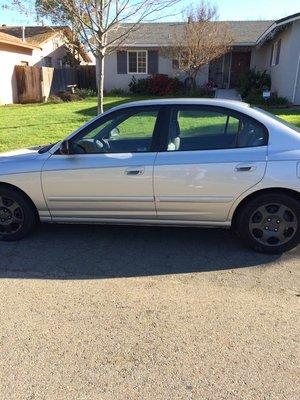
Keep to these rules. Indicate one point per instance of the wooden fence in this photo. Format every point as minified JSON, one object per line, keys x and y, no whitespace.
{"x":29,"y":89}
{"x":36,"y":84}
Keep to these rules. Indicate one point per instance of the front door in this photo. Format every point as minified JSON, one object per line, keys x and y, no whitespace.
{"x":109,"y":173}
{"x":213,"y":156}
{"x":240,"y":63}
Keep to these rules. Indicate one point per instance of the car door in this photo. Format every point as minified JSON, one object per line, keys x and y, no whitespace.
{"x":109,"y":171}
{"x":213,"y":156}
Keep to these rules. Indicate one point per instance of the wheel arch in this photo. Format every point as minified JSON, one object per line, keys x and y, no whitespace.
{"x":274,"y":190}
{"x":13,"y":187}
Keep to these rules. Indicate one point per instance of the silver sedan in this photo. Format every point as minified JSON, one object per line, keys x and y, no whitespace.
{"x":190,"y":162}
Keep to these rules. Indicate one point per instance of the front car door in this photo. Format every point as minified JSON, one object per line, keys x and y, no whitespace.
{"x":213,"y":156}
{"x":109,"y":171}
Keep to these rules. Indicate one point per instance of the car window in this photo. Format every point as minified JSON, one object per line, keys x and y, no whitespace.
{"x":276,"y":118}
{"x":125,"y":132}
{"x":206,"y":129}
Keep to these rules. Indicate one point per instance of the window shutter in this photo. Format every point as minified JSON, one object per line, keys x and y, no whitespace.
{"x":272,"y":51}
{"x":122,"y":62}
{"x":152,"y":62}
{"x":278,"y":51}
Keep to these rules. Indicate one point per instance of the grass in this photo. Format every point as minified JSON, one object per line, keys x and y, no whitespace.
{"x":33,"y":124}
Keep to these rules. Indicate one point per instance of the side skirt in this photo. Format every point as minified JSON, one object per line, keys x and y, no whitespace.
{"x":146,"y":222}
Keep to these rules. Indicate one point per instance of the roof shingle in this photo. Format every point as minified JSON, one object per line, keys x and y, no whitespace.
{"x":160,"y":34}
{"x":9,"y":39}
{"x":35,"y":35}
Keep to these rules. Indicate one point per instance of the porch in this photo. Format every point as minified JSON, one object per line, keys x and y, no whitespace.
{"x":225,"y":72}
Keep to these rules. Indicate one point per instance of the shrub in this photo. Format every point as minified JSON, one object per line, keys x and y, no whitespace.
{"x":204,"y":91}
{"x":54,"y":99}
{"x":83,"y":93}
{"x":68,"y":96}
{"x":156,"y":85}
{"x":253,"y":81}
{"x":141,"y":86}
{"x":257,"y":99}
{"x":274,"y":100}
{"x":117,"y":92}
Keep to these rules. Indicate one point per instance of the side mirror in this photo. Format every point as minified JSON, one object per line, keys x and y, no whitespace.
{"x":64,"y":147}
{"x":114,"y":133}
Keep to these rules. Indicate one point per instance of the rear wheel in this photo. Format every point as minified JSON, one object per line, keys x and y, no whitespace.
{"x":17,"y":215}
{"x":270,"y":223}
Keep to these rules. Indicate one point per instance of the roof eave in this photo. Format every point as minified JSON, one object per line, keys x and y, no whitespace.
{"x":277,"y":24}
{"x":25,"y":45}
{"x":143,"y":45}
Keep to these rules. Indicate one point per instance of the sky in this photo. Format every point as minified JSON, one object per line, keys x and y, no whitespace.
{"x":227,"y":9}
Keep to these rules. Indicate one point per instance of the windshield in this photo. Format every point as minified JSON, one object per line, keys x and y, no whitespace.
{"x":45,"y":148}
{"x":282,"y":121}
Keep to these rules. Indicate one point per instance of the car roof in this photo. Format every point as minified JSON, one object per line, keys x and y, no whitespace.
{"x":233,"y":104}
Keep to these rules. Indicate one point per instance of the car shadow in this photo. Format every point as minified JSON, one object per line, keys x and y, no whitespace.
{"x":94,"y":252}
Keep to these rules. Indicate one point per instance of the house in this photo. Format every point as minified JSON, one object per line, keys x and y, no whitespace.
{"x":35,"y":46}
{"x":13,"y":51}
{"x":54,"y":43}
{"x":266,"y":45}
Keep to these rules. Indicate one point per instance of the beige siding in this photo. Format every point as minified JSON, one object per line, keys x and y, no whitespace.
{"x":296,"y":57}
{"x":113,"y":80}
{"x":9,"y":57}
{"x":283,"y":75}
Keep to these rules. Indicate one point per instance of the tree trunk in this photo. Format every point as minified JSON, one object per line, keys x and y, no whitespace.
{"x":100,"y":81}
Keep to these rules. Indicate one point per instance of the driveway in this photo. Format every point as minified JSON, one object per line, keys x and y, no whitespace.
{"x":116,"y":313}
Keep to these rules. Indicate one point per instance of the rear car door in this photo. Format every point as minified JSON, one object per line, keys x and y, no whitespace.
{"x":109,"y":171}
{"x":213,"y":155}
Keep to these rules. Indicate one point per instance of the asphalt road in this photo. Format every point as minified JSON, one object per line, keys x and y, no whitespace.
{"x":117,"y":313}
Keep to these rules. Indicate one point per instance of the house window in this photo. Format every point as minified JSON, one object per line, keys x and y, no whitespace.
{"x":275,"y":53}
{"x":47,"y":61}
{"x":137,"y":62}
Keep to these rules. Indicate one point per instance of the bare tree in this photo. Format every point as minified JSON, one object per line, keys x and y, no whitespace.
{"x":199,"y":41}
{"x":103,"y":25}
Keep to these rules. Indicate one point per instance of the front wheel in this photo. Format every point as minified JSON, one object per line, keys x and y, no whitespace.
{"x":270,"y":223}
{"x":17,"y":215}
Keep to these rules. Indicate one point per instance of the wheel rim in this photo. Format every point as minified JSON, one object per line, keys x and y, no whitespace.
{"x":273,"y":224}
{"x":11,"y":216}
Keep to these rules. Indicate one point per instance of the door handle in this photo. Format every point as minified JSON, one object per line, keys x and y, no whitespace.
{"x":135,"y":171}
{"x":245,"y":168}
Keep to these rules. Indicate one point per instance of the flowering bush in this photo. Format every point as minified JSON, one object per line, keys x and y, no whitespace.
{"x":209,"y":85}
{"x":157,"y":85}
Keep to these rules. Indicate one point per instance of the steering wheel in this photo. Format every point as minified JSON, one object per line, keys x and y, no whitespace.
{"x":102,"y":145}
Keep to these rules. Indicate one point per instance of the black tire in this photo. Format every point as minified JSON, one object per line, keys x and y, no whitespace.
{"x":256,"y":223}
{"x":18,"y":217}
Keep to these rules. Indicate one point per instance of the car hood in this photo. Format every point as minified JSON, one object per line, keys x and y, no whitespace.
{"x":22,"y":161}
{"x":19,"y":155}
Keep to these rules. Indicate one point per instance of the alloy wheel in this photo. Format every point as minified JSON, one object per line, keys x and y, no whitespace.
{"x":273,"y":224}
{"x":11,"y":216}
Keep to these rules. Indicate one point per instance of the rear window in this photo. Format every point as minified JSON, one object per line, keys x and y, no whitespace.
{"x":276,"y":118}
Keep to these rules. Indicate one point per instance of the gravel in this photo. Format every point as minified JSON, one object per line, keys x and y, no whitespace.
{"x":117,"y":313}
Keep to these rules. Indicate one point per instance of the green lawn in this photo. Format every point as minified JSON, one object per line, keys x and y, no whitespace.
{"x":32,"y":124}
